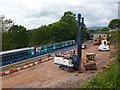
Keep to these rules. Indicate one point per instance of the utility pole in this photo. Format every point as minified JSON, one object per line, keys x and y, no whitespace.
{"x":119,"y":10}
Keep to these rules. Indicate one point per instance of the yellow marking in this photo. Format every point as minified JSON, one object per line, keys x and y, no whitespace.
{"x":84,"y":60}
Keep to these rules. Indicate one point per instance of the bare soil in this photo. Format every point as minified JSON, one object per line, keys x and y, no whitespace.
{"x":48,"y":75}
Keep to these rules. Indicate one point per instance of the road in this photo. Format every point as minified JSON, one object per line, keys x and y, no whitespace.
{"x":49,"y":75}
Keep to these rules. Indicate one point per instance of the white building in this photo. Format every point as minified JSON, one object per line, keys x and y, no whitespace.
{"x":99,"y":35}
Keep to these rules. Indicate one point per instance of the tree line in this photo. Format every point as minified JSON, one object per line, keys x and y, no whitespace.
{"x":115,"y":35}
{"x":19,"y":37}
{"x":65,"y":29}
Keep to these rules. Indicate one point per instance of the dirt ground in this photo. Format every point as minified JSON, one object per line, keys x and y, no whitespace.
{"x":48,"y":75}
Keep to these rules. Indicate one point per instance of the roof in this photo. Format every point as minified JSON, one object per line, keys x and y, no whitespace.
{"x":89,"y":53}
{"x":22,"y":49}
{"x":12,"y":51}
{"x":54,"y":43}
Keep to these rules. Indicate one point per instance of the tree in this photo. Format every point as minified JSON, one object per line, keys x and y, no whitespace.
{"x":65,"y":29}
{"x":70,"y":18}
{"x":115,"y":36}
{"x":6,"y":44}
{"x":40,"y":36}
{"x":60,"y":31}
{"x":19,"y":36}
{"x":5,"y":24}
{"x":114,"y":23}
{"x":104,"y":30}
{"x":15,"y":37}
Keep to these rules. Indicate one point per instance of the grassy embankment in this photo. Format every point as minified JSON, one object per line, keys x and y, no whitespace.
{"x":109,"y":78}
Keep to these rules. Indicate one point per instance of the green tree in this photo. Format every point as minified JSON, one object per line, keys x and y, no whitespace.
{"x":18,"y":36}
{"x":115,"y":36}
{"x":104,"y":30}
{"x":64,"y":29}
{"x":60,"y":31}
{"x":114,"y":23}
{"x":6,"y":24}
{"x":6,"y":45}
{"x":70,"y":18}
{"x":40,"y":36}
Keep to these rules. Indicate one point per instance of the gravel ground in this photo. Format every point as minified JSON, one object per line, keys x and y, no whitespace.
{"x":48,"y":75}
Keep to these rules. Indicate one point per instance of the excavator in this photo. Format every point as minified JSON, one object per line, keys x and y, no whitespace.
{"x":98,"y":41}
{"x":73,"y":61}
{"x":89,"y":61}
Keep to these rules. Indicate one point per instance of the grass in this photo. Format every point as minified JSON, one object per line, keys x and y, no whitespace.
{"x":106,"y":79}
{"x":109,"y":78}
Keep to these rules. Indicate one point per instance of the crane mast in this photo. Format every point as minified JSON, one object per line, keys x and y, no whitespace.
{"x":79,"y":40}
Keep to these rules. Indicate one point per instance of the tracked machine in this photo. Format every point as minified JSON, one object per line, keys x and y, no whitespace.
{"x":89,"y":61}
{"x":73,"y":61}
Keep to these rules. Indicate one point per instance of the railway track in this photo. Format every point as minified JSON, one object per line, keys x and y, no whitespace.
{"x":47,"y":74}
{"x":32,"y":61}
{"x":23,"y":63}
{"x":11,"y":68}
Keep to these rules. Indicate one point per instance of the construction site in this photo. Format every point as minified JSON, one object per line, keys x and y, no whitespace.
{"x":47,"y":74}
{"x":64,"y":54}
{"x":63,"y":68}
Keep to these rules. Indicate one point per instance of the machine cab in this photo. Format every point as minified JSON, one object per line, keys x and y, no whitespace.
{"x":90,"y":57}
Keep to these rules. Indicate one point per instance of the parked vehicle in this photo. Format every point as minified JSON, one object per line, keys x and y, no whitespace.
{"x":104,"y":46}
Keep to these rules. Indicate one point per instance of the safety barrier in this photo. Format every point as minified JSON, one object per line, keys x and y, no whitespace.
{"x":24,"y":67}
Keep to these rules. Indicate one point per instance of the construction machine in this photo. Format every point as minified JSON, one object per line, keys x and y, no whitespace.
{"x":73,"y":61}
{"x":89,"y":61}
{"x":108,"y":42}
{"x":97,"y":41}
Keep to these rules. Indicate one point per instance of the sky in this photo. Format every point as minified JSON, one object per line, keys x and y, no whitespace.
{"x":34,"y":13}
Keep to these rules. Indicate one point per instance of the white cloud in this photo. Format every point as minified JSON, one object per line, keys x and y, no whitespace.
{"x":33,"y":13}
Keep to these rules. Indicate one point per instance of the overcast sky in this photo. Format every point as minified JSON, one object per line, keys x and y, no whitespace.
{"x":34,"y":13}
